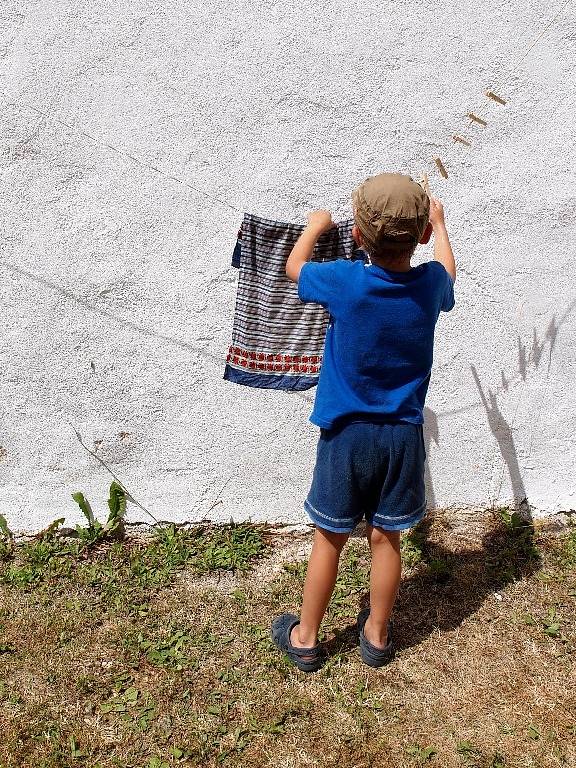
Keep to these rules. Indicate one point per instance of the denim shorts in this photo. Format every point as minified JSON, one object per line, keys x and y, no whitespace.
{"x":368,"y":470}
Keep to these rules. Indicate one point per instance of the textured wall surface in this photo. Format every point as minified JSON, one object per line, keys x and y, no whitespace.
{"x":116,"y":290}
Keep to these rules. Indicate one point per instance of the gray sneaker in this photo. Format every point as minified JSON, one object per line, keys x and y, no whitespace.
{"x":306,"y":659}
{"x":374,"y":657}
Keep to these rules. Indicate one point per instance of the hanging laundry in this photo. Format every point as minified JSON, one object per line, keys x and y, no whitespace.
{"x":277,"y":340}
{"x":237,"y":250}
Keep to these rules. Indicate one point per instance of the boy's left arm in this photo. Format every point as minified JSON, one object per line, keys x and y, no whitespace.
{"x":318,"y":223}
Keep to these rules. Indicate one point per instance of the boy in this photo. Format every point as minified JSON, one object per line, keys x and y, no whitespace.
{"x":370,"y":398}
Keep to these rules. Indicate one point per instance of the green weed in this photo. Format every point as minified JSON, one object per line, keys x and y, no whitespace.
{"x":516,"y":548}
{"x":467,"y":750}
{"x":411,"y":550}
{"x":566,"y":551}
{"x":114,"y":525}
{"x":129,"y":704}
{"x":167,"y":652}
{"x":233,"y":547}
{"x":45,"y":559}
{"x":126,"y":573}
{"x":422,"y":754}
{"x":6,"y":539}
{"x":440,"y":568}
{"x":552,"y":623}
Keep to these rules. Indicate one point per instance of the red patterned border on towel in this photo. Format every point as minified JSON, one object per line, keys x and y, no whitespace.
{"x":260,"y":361}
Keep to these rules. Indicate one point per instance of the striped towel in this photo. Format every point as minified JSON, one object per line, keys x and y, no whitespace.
{"x":277,"y":340}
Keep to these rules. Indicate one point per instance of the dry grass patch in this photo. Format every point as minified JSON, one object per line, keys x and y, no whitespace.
{"x":136,"y":655}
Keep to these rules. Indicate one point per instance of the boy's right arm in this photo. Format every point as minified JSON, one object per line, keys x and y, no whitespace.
{"x":318,"y":223}
{"x":442,"y":248}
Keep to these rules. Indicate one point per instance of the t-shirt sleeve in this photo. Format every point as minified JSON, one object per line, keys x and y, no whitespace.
{"x":322,"y":282}
{"x":445,"y":286}
{"x":448,"y":300}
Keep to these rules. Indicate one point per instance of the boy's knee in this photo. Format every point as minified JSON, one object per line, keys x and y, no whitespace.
{"x":378,"y":536}
{"x":337,"y":540}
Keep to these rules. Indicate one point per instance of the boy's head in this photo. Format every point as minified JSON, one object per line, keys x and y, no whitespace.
{"x":391,"y":216}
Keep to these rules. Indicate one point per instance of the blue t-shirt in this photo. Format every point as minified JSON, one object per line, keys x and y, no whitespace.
{"x":379,"y":343}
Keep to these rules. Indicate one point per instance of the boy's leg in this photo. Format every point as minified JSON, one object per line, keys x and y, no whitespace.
{"x":319,"y":585}
{"x":384,"y":582}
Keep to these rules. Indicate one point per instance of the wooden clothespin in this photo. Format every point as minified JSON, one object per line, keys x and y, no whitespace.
{"x":425,"y":184}
{"x":477,"y":119}
{"x":461,"y":140}
{"x":495,"y":97}
{"x":440,"y":166}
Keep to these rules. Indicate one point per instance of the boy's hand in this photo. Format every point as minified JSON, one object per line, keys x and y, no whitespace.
{"x":320,"y":221}
{"x":436,"y":213}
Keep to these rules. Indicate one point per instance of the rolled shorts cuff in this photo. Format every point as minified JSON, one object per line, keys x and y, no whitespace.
{"x":396,"y":523}
{"x":334,"y":525}
{"x":347,"y":525}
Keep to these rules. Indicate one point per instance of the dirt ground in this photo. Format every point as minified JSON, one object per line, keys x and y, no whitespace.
{"x":154,"y":651}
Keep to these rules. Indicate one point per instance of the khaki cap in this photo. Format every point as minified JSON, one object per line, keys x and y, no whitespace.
{"x":390,"y":205}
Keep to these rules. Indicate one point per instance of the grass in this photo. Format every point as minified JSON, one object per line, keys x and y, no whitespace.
{"x":155,"y":652}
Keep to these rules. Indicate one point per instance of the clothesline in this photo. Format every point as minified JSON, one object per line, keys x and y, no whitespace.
{"x":214,"y":198}
{"x":125,"y":154}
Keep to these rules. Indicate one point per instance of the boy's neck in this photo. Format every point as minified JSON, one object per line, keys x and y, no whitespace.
{"x":396,"y":265}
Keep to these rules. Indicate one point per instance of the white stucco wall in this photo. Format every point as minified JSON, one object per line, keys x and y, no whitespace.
{"x":276,"y":108}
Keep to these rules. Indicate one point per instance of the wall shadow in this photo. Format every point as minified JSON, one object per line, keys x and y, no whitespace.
{"x":141,"y":329}
{"x":431,"y":434}
{"x":502,"y":432}
{"x":532,"y":357}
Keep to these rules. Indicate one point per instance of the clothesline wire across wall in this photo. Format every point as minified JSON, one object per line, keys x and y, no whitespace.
{"x":125,"y":154}
{"x":541,"y":35}
{"x":214,"y":198}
